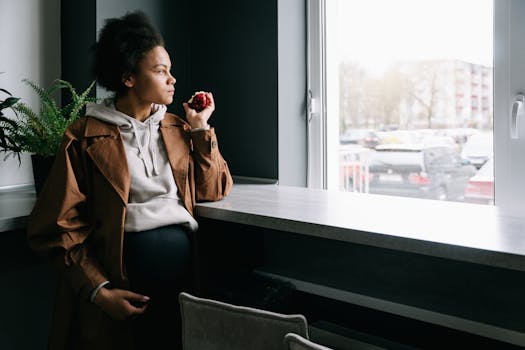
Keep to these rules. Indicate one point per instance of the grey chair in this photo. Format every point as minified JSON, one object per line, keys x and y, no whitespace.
{"x":213,"y":325}
{"x":296,"y":342}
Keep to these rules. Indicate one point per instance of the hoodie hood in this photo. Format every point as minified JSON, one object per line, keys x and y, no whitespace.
{"x":142,"y":135}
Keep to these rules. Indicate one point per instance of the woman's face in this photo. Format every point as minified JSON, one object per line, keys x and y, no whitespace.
{"x":153,"y":82}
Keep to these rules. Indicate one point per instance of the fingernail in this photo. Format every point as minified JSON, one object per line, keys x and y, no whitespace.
{"x":145,"y":298}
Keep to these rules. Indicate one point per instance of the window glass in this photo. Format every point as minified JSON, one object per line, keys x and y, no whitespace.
{"x":414,"y":80}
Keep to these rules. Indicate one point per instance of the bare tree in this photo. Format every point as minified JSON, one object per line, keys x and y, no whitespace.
{"x":391,"y":91}
{"x":352,"y":94}
{"x":421,"y":86}
{"x":367,"y":101}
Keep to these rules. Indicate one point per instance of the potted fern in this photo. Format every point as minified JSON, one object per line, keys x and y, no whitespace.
{"x":40,"y":132}
{"x":7,"y":103}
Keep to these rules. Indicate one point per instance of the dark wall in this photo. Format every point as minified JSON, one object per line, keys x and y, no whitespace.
{"x":175,"y":28}
{"x":78,"y":34}
{"x":227,"y":47}
{"x":233,"y":53}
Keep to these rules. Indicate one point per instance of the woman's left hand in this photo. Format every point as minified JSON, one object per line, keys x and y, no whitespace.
{"x":199,"y":119}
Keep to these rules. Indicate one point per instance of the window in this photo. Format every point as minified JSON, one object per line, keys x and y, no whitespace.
{"x":419,"y":73}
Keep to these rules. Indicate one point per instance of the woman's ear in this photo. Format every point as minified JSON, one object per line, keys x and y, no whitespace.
{"x":128,"y":79}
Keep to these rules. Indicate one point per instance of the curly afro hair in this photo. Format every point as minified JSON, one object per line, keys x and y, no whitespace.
{"x":122,"y":44}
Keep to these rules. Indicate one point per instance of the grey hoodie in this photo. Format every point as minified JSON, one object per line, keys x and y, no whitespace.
{"x":153,"y":199}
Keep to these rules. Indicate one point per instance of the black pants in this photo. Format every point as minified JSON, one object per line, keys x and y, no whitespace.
{"x":158,"y":264}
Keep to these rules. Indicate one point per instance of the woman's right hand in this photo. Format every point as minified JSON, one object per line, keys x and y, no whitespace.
{"x":117,"y":303}
{"x":199,"y":119}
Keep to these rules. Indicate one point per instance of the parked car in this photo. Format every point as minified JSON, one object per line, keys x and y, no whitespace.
{"x":400,"y":137}
{"x":478,"y":149}
{"x":434,"y":172}
{"x":447,"y":141}
{"x":480,"y":187}
{"x":364,"y":137}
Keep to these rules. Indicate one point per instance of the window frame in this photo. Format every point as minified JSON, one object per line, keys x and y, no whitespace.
{"x":316,"y":94}
{"x":509,"y":60}
{"x":509,"y":81}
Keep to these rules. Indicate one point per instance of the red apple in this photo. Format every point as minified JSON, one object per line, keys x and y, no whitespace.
{"x":199,"y":101}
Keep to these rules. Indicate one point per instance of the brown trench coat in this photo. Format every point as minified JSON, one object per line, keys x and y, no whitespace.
{"x":78,"y":219}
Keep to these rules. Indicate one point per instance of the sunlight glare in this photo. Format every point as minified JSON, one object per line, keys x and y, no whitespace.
{"x":377,"y":33}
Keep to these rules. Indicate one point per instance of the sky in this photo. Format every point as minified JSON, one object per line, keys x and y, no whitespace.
{"x":377,"y":32}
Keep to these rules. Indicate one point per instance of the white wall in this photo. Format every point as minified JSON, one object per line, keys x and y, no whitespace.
{"x":30,"y":48}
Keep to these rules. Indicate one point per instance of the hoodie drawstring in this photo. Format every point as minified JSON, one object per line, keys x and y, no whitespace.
{"x":152,"y":149}
{"x":142,"y":153}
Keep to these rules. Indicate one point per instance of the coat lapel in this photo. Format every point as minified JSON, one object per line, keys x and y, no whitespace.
{"x":177,"y":142}
{"x":109,"y":156}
